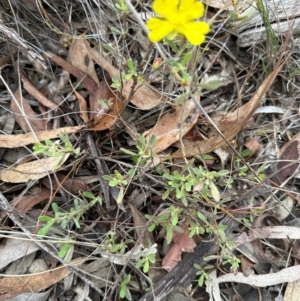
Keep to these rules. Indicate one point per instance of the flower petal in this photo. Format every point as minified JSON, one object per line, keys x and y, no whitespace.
{"x":191,"y":9}
{"x":194,"y":31}
{"x":165,"y":8}
{"x":159,"y":29}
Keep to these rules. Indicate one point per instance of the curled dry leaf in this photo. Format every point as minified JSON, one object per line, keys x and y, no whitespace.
{"x":26,"y":201}
{"x":13,"y":141}
{"x":182,"y":243}
{"x":172,"y":126}
{"x":145,"y":96}
{"x":32,"y":171}
{"x":97,"y":91}
{"x":105,"y":108}
{"x":232,"y":123}
{"x":289,"y":153}
{"x":36,"y":282}
{"x":80,"y":58}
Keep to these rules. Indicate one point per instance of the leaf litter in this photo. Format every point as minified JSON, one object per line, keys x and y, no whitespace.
{"x":67,"y":86}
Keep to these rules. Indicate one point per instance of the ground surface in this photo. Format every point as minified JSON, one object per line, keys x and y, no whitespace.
{"x":139,"y":171}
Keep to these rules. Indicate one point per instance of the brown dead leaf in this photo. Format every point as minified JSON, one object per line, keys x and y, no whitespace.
{"x":25,"y":202}
{"x":289,"y":152}
{"x":232,"y":123}
{"x":139,"y":225}
{"x":13,"y":141}
{"x":101,"y":102}
{"x":145,"y":96}
{"x":109,"y":118}
{"x":96,"y":92}
{"x":82,"y":105}
{"x":253,"y":144}
{"x":172,"y":126}
{"x":24,"y":114}
{"x":73,"y":185}
{"x":31,"y":171}
{"x":182,"y":243}
{"x":35,"y":282}
{"x":80,"y":58}
{"x":86,"y":79}
{"x":37,"y":94}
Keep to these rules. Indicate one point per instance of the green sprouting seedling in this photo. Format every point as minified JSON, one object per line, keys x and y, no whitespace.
{"x":117,"y":180}
{"x":56,"y":148}
{"x":116,"y":82}
{"x":186,"y":182}
{"x":201,"y":272}
{"x":112,"y":245}
{"x":144,"y":148}
{"x":122,"y":6}
{"x":130,"y":74}
{"x":124,"y":290}
{"x":67,"y":218}
{"x":145,"y":262}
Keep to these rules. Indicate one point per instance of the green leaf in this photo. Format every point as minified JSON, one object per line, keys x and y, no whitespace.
{"x":45,"y":218}
{"x":201,"y":280}
{"x":211,"y":83}
{"x":162,"y":218}
{"x":152,"y":140}
{"x":88,"y":195}
{"x":214,"y":191}
{"x":64,"y":250}
{"x":223,"y":173}
{"x":64,"y":223}
{"x":247,"y":153}
{"x":169,"y":234}
{"x":43,"y":231}
{"x":146,"y":267}
{"x":174,"y":219}
{"x":186,"y":59}
{"x":128,"y":152}
{"x":166,"y":194}
{"x":122,"y":293}
{"x":151,"y":227}
{"x":77,"y":224}
{"x":120,"y":196}
{"x":202,"y":217}
{"x":55,"y":207}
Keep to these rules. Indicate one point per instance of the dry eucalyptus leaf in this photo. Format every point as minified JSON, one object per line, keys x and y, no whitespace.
{"x":172,"y":126}
{"x":44,"y":296}
{"x":80,"y":57}
{"x":11,"y":249}
{"x":13,"y":141}
{"x":31,"y":171}
{"x":35,"y":282}
{"x":182,"y":243}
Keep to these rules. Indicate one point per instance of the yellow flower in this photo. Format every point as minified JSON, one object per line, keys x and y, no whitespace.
{"x":178,"y":16}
